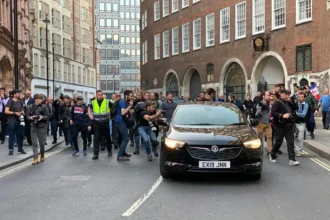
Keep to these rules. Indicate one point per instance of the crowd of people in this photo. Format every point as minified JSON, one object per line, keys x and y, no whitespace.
{"x":112,"y":122}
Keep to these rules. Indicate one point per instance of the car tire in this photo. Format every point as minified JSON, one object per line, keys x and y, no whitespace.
{"x":255,"y":177}
{"x":163,"y":171}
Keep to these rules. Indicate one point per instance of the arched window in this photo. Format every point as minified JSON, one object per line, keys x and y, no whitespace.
{"x":210,"y":72}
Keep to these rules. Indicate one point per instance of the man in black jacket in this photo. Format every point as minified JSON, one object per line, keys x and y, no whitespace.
{"x":27,"y":101}
{"x":64,"y":118}
{"x":283,"y":121}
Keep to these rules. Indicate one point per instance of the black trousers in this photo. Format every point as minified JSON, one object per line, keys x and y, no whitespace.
{"x":84,"y":131}
{"x":101,"y":129}
{"x":27,"y":131}
{"x":281,"y":132}
{"x":3,"y":126}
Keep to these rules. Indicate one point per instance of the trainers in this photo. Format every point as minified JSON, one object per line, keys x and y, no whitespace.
{"x":298,"y":154}
{"x":280,"y":152}
{"x":271,"y":159}
{"x":54,"y":142}
{"x":89,"y":144}
{"x":75,"y":153}
{"x":136,"y":152}
{"x":293,"y":163}
{"x":149,"y":157}
{"x":155,"y":152}
{"x":122,"y":158}
{"x":22,"y":151}
{"x":312,"y":136}
{"x":85,"y":152}
{"x":11,"y":153}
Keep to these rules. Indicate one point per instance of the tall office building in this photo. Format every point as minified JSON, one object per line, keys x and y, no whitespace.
{"x":118,"y":28}
{"x":71,"y":29}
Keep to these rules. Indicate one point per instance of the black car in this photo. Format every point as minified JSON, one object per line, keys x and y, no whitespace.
{"x":210,"y":137}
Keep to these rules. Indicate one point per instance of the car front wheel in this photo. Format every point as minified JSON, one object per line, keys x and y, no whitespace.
{"x":163,"y":171}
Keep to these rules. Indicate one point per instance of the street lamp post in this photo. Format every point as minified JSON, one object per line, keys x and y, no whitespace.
{"x":53,"y":45}
{"x":47,"y":21}
{"x":16,"y":44}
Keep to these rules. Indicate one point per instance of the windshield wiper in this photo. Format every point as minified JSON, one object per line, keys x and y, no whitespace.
{"x":241,"y":123}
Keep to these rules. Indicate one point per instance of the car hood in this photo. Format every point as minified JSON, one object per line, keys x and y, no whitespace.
{"x":209,"y":135}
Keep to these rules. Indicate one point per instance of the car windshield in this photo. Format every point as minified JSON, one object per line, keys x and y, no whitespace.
{"x":207,"y":115}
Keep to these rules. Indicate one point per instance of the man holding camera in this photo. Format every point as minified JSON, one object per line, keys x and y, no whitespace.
{"x":264,"y":127}
{"x":38,"y":115}
{"x":147,"y":128}
{"x":15,"y":116}
{"x":283,"y":127}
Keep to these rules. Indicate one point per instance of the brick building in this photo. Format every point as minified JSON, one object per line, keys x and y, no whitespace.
{"x":7,"y":61}
{"x":240,"y":47}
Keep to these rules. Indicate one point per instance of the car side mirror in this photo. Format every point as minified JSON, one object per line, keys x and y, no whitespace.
{"x":254,"y":122}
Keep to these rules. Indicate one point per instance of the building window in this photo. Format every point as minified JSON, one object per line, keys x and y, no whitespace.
{"x":108,"y":7}
{"x":117,"y":85}
{"x":197,"y":34}
{"x":210,"y":72}
{"x":115,"y":39}
{"x":103,"y":69}
{"x":225,"y":25}
{"x":194,"y":1}
{"x":157,"y":46}
{"x":279,"y":14}
{"x":102,"y":54}
{"x":258,"y":16}
{"x":115,"y":23}
{"x":165,"y":8}
{"x":240,"y":20}
{"x":304,"y":58}
{"x":185,"y":3}
{"x":103,"y":84}
{"x":115,"y":7}
{"x":109,"y":22}
{"x":145,"y":19}
{"x":175,"y":41}
{"x":175,"y":5}
{"x":156,"y":11}
{"x":110,"y":85}
{"x":303,"y":11}
{"x":102,"y":23}
{"x":144,"y":52}
{"x":185,"y":38}
{"x":166,"y":44}
{"x":210,"y":30}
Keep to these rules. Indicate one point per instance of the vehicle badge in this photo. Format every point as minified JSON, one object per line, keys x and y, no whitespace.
{"x":214,"y":149}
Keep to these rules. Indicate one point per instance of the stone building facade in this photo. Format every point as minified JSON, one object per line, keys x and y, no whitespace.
{"x":7,"y":60}
{"x":240,"y":47}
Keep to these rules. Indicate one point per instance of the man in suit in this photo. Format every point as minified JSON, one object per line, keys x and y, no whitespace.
{"x":28,"y":100}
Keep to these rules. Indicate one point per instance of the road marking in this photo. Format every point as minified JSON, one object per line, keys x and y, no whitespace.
{"x":143,"y":198}
{"x":29,"y":163}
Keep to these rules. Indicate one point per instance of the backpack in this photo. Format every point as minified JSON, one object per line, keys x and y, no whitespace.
{"x":113,"y":110}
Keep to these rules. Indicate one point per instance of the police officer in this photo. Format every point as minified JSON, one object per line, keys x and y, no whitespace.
{"x":99,"y":114}
{"x":38,"y":115}
{"x":79,"y":121}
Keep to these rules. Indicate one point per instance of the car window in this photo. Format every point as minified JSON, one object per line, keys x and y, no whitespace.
{"x":207,"y":115}
{"x":178,"y":101}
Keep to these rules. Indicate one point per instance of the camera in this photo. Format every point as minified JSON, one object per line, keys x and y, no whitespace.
{"x":21,"y":120}
{"x":263,"y":106}
{"x":35,"y":119}
{"x":153,"y":128}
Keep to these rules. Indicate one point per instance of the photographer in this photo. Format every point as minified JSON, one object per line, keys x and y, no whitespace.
{"x":264,"y":127}
{"x":38,"y":115}
{"x":15,"y":117}
{"x":146,"y":128}
{"x":283,"y":127}
{"x":301,"y":118}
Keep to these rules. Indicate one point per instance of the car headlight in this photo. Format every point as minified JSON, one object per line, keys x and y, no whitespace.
{"x":170,"y":143}
{"x":254,"y":144}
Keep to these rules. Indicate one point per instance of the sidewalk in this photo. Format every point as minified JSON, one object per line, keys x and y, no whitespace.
{"x":321,"y":143}
{"x":8,"y":161}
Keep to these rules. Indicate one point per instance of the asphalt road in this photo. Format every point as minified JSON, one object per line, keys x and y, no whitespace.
{"x":66,"y":187}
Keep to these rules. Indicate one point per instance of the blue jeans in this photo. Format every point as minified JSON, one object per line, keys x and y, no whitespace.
{"x":123,"y":132}
{"x":110,"y":126}
{"x":15,"y":129}
{"x":144,"y":132}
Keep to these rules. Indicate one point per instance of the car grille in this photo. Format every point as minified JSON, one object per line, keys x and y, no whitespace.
{"x":205,"y":153}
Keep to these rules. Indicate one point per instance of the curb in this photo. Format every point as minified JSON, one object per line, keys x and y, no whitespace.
{"x":27,"y":158}
{"x":318,"y":151}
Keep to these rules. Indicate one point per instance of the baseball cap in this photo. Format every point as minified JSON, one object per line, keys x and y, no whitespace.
{"x":284,"y":91}
{"x":302,"y":88}
{"x":66,"y":97}
{"x":80,"y":98}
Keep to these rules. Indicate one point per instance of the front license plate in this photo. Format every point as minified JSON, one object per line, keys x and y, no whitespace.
{"x":214,"y":164}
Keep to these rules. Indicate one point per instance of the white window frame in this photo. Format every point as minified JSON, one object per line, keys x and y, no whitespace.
{"x":156,"y":11}
{"x":195,"y":1}
{"x":200,"y":34}
{"x":143,"y":22}
{"x":177,"y":6}
{"x":157,"y":46}
{"x":185,"y":37}
{"x":274,"y":14}
{"x":166,"y":44}
{"x":221,"y":25}
{"x":146,"y":51}
{"x":175,"y":29}
{"x":185,"y":5}
{"x":145,"y":19}
{"x":209,"y":42}
{"x":254,"y":17}
{"x":298,"y":20}
{"x":236,"y":21}
{"x":167,"y":11}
